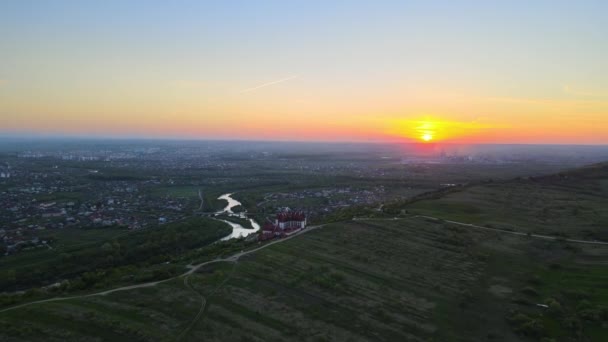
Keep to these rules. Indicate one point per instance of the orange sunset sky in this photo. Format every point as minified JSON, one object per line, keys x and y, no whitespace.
{"x":450,"y":71}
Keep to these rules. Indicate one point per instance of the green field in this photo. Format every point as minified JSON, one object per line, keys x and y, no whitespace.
{"x":346,"y":281}
{"x":67,"y":240}
{"x":189,"y":192}
{"x":385,"y":280}
{"x":86,"y":259}
{"x":571,"y":205}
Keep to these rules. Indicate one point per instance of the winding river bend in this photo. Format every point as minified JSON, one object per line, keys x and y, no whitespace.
{"x":238,"y":231}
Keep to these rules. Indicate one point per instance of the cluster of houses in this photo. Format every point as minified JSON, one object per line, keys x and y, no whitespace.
{"x":285,"y":224}
{"x":327,"y":200}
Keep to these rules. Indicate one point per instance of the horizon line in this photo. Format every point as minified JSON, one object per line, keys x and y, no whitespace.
{"x":39,"y":137}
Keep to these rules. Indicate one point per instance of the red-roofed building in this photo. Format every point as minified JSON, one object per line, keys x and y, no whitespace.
{"x":285,"y":224}
{"x":290,"y":219}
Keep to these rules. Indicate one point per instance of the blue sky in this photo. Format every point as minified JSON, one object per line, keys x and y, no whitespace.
{"x":56,"y":54}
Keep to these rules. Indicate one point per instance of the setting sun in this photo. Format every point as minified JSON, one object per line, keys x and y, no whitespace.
{"x":433,"y":128}
{"x":427,"y":129}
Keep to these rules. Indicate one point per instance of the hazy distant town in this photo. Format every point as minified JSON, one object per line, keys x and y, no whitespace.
{"x":52,"y":185}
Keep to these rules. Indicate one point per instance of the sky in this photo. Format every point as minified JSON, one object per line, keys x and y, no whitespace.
{"x":320,"y":70}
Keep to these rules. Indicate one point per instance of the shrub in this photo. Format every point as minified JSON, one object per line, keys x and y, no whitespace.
{"x":521,"y":301}
{"x":529,"y":291}
{"x":573,"y":324}
{"x":535,"y":280}
{"x":526,"y":325}
{"x":574,"y":294}
{"x":555,"y":308}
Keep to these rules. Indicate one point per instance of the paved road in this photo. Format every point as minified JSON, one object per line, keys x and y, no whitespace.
{"x":192,"y":269}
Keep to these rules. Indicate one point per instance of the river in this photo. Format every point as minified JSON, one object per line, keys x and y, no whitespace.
{"x":237,"y":230}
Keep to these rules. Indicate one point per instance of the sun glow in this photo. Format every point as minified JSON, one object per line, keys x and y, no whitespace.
{"x":427,"y":129}
{"x":436,"y":130}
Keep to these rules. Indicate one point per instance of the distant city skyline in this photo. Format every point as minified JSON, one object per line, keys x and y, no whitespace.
{"x":512,"y":72}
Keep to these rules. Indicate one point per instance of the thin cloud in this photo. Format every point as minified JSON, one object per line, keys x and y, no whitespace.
{"x":547,"y":102}
{"x":188,"y":84}
{"x":519,"y":100}
{"x":569,"y":90}
{"x":267,"y":84}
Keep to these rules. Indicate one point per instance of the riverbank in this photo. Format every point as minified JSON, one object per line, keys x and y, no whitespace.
{"x":245,"y":223}
{"x":235,"y":220}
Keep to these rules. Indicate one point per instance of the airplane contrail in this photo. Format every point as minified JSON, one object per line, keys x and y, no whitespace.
{"x":267,"y":84}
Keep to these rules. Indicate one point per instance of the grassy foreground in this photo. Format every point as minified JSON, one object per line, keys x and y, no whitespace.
{"x":408,"y":279}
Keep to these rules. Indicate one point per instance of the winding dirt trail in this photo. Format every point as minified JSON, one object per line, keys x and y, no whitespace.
{"x":237,"y":256}
{"x":203,"y":307}
{"x":538,"y":236}
{"x":192,"y":269}
{"x":470,"y":225}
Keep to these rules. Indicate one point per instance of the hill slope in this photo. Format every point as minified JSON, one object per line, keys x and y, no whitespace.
{"x":569,"y":204}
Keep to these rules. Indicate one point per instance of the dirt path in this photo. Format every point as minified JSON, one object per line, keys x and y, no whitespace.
{"x":235,"y":257}
{"x":470,"y":225}
{"x":200,"y":196}
{"x":538,"y":236}
{"x":203,"y":308}
{"x":193,"y":268}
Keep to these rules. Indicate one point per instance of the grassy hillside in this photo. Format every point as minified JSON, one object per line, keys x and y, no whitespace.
{"x":86,"y":259}
{"x":386,"y":280}
{"x":569,"y":204}
{"x":348,"y":281}
{"x":410,"y":280}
